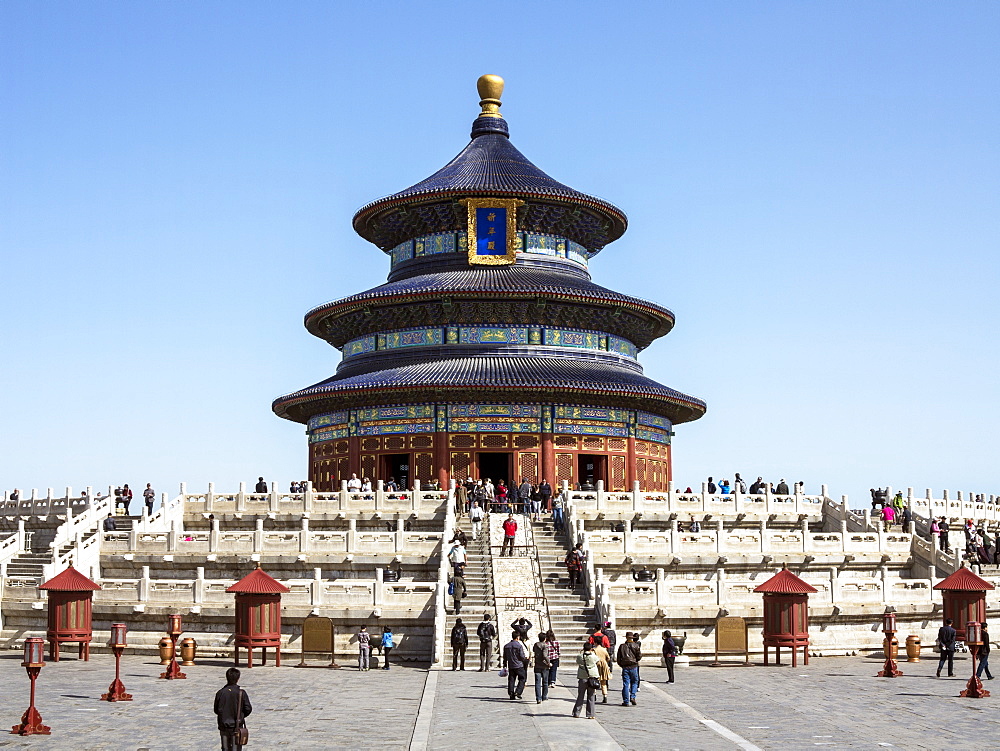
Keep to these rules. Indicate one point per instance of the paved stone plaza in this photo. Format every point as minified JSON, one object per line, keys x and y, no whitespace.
{"x":835,"y":702}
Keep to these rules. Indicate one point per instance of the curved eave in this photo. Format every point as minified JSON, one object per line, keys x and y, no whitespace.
{"x":348,"y":304}
{"x":694,"y":407}
{"x":369,"y":213}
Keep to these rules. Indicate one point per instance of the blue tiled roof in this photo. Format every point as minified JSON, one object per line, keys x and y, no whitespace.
{"x":532,"y":281}
{"x":491,"y":166}
{"x":504,"y":372}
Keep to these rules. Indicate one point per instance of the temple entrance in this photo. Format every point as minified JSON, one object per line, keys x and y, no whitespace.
{"x":496,"y":465}
{"x":590,"y":469}
{"x":396,"y":466}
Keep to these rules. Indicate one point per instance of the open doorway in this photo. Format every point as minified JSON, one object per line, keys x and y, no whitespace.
{"x":396,"y":466}
{"x":590,"y":469}
{"x":497,"y":465}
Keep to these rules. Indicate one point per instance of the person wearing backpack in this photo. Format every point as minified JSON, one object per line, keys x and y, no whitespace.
{"x":574,"y":565}
{"x":540,"y":659}
{"x":487,"y":633}
{"x":458,"y":592}
{"x":599,"y":638}
{"x":364,"y":648}
{"x":587,"y":681}
{"x":459,"y":643}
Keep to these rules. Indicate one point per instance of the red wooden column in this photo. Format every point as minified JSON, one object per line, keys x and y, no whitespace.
{"x":964,"y":595}
{"x":547,"y":468}
{"x":786,"y":615}
{"x":70,"y":597}
{"x":631,"y":473}
{"x":441,"y":460}
{"x":258,"y":615}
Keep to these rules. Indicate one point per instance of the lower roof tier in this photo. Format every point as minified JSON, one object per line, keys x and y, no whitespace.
{"x":487,"y":377}
{"x":547,"y":294}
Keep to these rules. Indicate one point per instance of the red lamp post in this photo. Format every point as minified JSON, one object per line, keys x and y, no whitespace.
{"x":31,"y":720}
{"x":973,"y":640}
{"x":174,"y":630}
{"x":890,"y":669}
{"x":116,"y":691}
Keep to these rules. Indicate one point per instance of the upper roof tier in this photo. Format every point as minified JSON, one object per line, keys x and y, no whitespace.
{"x":490,"y":166}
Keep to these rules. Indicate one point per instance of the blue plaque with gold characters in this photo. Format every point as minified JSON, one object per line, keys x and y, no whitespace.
{"x":492,"y":235}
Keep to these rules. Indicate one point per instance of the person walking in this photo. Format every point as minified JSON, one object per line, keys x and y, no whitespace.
{"x":459,"y":643}
{"x":232,"y":706}
{"x":459,"y":591}
{"x":587,"y":680}
{"x":553,"y":645}
{"x":984,"y":655}
{"x":486,"y":632}
{"x":545,"y":495}
{"x":461,"y":500}
{"x":943,"y":534}
{"x":126,"y":497}
{"x":540,"y":661}
{"x":574,"y":566}
{"x":524,"y":496}
{"x":629,"y":655}
{"x":515,"y":662}
{"x":558,"y":506}
{"x":476,"y":515}
{"x":946,"y":643}
{"x":611,"y":635}
{"x":669,"y":654}
{"x":364,"y":648}
{"x":109,"y":524}
{"x":387,"y":645}
{"x":149,"y":495}
{"x":603,"y":669}
{"x":509,"y":531}
{"x":458,"y":557}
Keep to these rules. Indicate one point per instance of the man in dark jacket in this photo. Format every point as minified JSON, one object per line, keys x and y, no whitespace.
{"x":515,"y":659}
{"x":629,"y":655}
{"x":261,"y":486}
{"x":486,"y":632}
{"x":459,"y":642}
{"x":669,"y":655}
{"x":946,"y":642}
{"x":984,"y":655}
{"x":110,"y":525}
{"x":524,"y":496}
{"x":522,"y":626}
{"x":545,"y":495}
{"x":231,"y":703}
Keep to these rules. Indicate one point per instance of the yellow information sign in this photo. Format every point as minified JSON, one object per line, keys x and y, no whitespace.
{"x":731,"y":638}
{"x":317,"y":638}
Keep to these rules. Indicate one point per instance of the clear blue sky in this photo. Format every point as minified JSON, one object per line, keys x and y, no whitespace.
{"x":812,"y":188}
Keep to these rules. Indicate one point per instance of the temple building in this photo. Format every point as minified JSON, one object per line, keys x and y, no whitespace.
{"x":489,"y":352}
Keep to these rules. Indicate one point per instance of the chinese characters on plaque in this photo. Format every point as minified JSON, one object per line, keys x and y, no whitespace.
{"x":492,"y":230}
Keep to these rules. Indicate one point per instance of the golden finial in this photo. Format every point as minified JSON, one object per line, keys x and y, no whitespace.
{"x":490,"y":90}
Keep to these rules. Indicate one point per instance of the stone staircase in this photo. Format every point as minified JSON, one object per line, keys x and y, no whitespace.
{"x":28,"y":564}
{"x":569,"y":612}
{"x":479,"y":597}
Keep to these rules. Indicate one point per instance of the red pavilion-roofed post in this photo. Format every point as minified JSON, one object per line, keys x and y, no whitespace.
{"x":258,"y":615}
{"x":964,"y":599}
{"x":70,"y":599}
{"x":786,"y":615}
